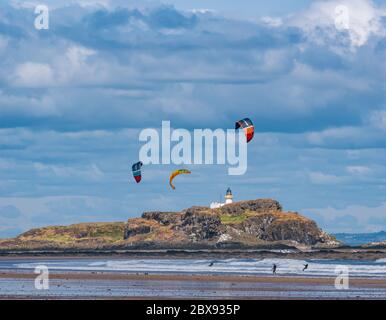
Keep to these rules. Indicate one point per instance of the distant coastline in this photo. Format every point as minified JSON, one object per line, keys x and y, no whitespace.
{"x":358,"y":239}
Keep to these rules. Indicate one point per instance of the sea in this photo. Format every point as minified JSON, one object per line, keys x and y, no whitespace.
{"x":289,"y":267}
{"x":357,"y":239}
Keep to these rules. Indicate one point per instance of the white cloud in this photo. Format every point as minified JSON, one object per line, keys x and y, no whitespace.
{"x":367,"y":219}
{"x":92,"y":172}
{"x":272,"y":21}
{"x":74,"y":67}
{"x":78,"y":55}
{"x":378,"y":119}
{"x":31,"y":74}
{"x":61,"y":3}
{"x":202,"y":11}
{"x":319,"y":21}
{"x":323,"y":178}
{"x":358,"y":170}
{"x":26,"y":105}
{"x":326,"y":136}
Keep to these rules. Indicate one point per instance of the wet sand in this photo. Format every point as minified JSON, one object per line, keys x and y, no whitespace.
{"x":106,"y":285}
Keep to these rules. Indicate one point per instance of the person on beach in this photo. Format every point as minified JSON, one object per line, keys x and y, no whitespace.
{"x":274,"y":267}
{"x":305,"y":267}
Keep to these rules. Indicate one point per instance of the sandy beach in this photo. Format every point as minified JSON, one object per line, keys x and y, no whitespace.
{"x":99,"y":282}
{"x":102,"y":285}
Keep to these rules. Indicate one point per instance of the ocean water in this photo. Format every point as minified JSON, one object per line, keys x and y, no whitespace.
{"x":293,"y":267}
{"x":357,"y":239}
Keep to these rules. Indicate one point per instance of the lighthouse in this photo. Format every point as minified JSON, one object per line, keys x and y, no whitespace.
{"x":228,"y":196}
{"x":228,"y":200}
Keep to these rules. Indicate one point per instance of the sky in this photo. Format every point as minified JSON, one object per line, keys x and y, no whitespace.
{"x":74,"y":98}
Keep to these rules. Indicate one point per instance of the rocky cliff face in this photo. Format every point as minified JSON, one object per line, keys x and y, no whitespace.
{"x":375,"y":245}
{"x":257,"y":206}
{"x":73,"y":237}
{"x":199,"y":224}
{"x":251,"y":223}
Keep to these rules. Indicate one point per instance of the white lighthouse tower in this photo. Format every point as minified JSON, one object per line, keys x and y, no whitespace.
{"x":228,"y":196}
{"x":228,"y":200}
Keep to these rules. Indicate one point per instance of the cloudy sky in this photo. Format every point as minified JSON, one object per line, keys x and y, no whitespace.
{"x":74,"y":98}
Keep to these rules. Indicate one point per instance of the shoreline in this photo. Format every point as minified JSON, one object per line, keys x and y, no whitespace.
{"x":340,"y":253}
{"x":116,"y":276}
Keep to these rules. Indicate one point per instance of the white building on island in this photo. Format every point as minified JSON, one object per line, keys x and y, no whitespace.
{"x":228,"y":200}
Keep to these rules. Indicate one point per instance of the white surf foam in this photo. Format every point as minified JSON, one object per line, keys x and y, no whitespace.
{"x":223,"y":266}
{"x":380,"y":261}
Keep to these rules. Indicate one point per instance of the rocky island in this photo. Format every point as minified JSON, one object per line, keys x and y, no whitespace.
{"x":260,"y":223}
